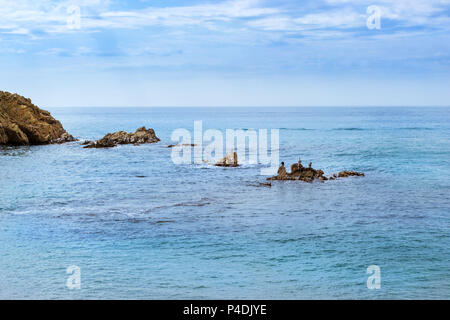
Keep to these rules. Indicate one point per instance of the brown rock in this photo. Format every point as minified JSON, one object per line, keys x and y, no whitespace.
{"x":230,"y":160}
{"x":309,"y":174}
{"x":345,"y":174}
{"x":142,"y":135}
{"x":294,"y":167}
{"x":299,"y":173}
{"x":282,"y":171}
{"x":23,"y":123}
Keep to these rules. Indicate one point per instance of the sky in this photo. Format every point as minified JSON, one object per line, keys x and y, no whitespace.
{"x":226,"y":52}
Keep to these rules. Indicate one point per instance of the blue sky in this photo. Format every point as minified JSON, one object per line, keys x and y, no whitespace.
{"x":226,"y":53}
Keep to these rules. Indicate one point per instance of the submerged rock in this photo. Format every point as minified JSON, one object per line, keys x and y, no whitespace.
{"x":230,"y":160}
{"x":345,"y":174}
{"x":142,"y":135}
{"x":181,"y":145}
{"x":262,"y":184}
{"x":23,"y":123}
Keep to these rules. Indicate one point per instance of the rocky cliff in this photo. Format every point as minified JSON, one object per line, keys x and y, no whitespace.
{"x":23,"y":123}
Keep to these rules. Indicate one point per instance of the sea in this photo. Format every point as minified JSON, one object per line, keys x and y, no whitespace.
{"x":130,"y":223}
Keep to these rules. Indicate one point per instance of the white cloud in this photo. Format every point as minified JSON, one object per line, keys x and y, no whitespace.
{"x":416,"y":11}
{"x":24,"y":17}
{"x":200,"y":15}
{"x":22,"y":31}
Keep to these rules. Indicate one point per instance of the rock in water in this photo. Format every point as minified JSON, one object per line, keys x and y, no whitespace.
{"x":181,"y":145}
{"x":309,"y":174}
{"x":230,"y":160}
{"x":346,"y":174}
{"x":268,"y":184}
{"x":300,"y":173}
{"x":23,"y":123}
{"x":142,"y":135}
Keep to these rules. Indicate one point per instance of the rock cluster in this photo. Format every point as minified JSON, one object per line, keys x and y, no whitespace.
{"x":142,"y":135}
{"x":230,"y":160}
{"x":298,"y":172}
{"x":23,"y":123}
{"x":309,"y":174}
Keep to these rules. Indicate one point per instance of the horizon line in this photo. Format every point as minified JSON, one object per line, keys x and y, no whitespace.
{"x":255,"y":106}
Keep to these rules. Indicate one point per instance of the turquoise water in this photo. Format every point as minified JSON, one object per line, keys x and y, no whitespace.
{"x":200,"y":232}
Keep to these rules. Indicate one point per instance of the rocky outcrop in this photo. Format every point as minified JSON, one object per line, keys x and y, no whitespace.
{"x":142,"y":135}
{"x":230,"y":160}
{"x":346,"y":174}
{"x":23,"y":123}
{"x":298,"y":172}
{"x":309,"y":174}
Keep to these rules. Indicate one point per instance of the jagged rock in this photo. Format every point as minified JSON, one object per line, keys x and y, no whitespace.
{"x":230,"y":160}
{"x":102,"y":143}
{"x":23,"y":123}
{"x":65,"y":137}
{"x":345,"y":174}
{"x":142,"y":135}
{"x":294,"y":167}
{"x":299,"y":172}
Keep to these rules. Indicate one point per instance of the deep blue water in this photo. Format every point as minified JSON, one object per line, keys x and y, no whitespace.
{"x":198,"y":231}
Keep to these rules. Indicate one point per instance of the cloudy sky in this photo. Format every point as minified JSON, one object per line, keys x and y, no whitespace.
{"x":226,"y":52}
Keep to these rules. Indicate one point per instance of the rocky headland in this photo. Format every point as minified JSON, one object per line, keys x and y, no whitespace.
{"x":142,"y":135}
{"x":23,"y":123}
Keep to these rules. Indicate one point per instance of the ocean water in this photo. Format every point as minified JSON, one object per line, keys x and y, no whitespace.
{"x":204,"y":232}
